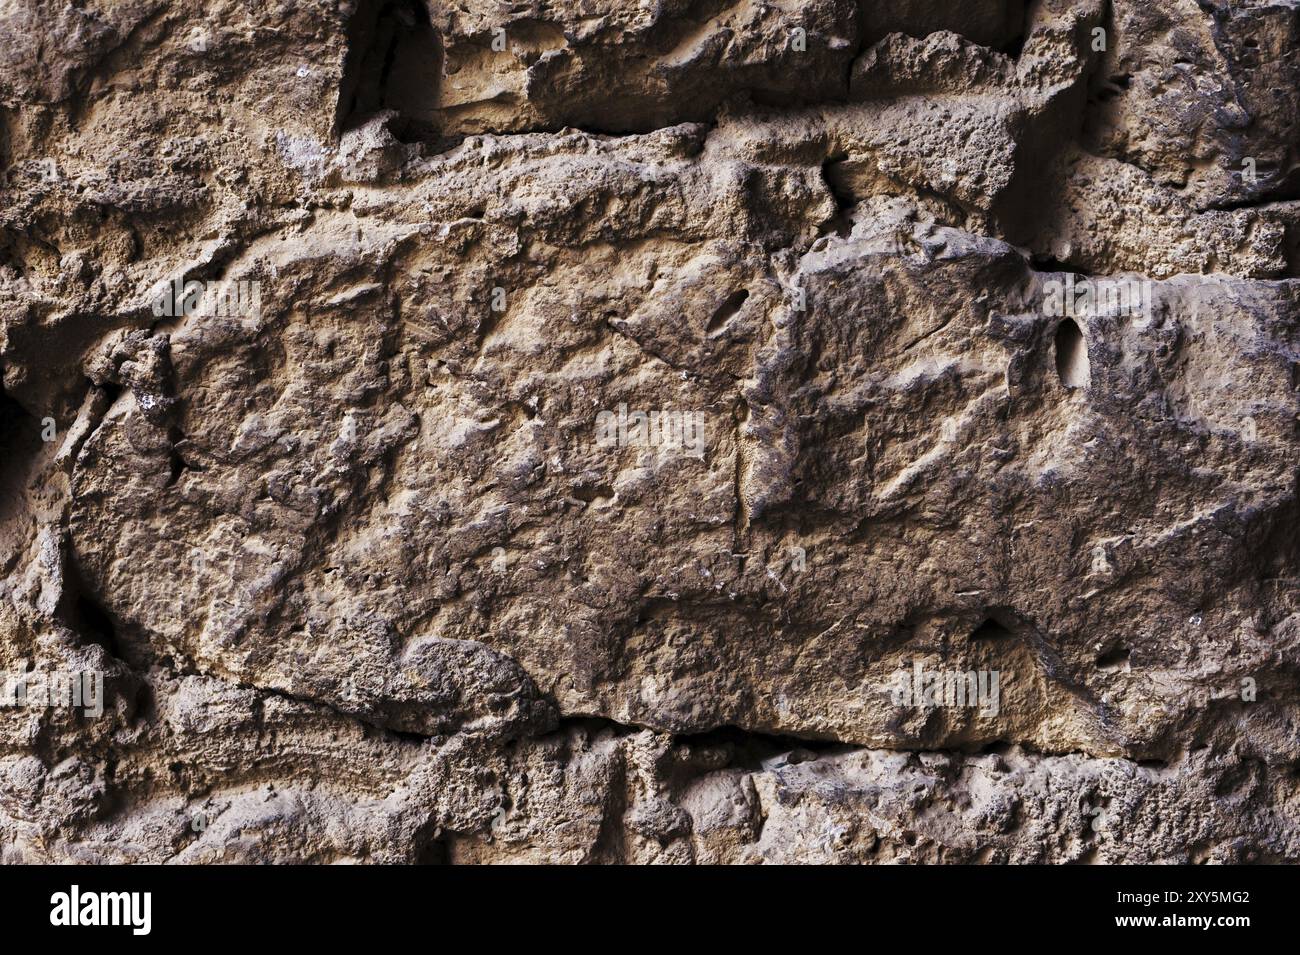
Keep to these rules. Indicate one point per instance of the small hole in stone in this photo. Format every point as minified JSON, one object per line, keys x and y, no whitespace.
{"x":587,"y":493}
{"x":177,"y":466}
{"x":726,"y":311}
{"x":990,"y":630}
{"x":96,"y":625}
{"x":1114,"y":660}
{"x":1071,"y":355}
{"x":394,"y":62}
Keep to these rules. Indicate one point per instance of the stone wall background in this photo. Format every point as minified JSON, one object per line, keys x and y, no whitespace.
{"x":377,"y":563}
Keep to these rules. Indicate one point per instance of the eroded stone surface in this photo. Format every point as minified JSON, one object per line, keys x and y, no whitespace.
{"x":366,"y":572}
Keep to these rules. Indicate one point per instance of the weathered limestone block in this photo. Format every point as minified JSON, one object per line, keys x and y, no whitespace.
{"x":600,"y":432}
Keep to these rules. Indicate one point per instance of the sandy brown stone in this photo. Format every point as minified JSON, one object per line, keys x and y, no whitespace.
{"x":681,"y":432}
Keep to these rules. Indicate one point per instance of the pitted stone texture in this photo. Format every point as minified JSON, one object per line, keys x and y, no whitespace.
{"x":369,"y":579}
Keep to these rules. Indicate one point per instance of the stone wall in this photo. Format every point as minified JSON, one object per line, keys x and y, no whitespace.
{"x":611,"y":431}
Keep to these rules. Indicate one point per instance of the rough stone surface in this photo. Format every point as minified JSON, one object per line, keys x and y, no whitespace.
{"x":366,"y":583}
